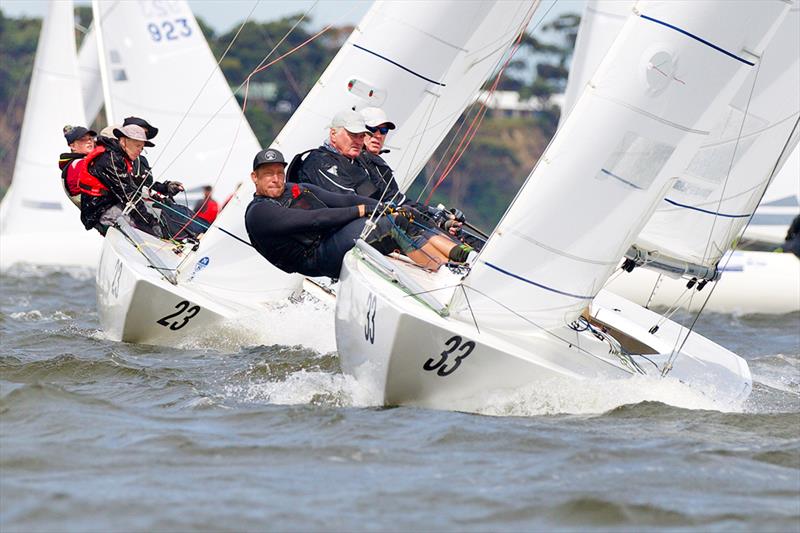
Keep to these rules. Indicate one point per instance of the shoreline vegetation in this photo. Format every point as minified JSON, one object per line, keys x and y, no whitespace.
{"x":482,"y":184}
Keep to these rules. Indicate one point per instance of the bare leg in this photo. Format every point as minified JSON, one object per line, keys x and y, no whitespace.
{"x":428,"y":256}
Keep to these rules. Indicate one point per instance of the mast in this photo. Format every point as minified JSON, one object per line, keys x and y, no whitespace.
{"x":101,"y":53}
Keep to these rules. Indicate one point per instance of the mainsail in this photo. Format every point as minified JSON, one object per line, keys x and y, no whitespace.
{"x":715,"y":196}
{"x":38,"y":223}
{"x":157,"y":65}
{"x":601,"y":22}
{"x":89,"y":72}
{"x":401,"y":57}
{"x":664,"y":84}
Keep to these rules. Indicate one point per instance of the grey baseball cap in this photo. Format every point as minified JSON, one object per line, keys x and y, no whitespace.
{"x":268,"y":155}
{"x":350,"y":120}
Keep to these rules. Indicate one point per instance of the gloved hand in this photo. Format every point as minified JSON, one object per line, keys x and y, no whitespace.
{"x":173,"y":187}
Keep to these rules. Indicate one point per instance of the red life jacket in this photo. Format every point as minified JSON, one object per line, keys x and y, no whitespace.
{"x":89,"y":184}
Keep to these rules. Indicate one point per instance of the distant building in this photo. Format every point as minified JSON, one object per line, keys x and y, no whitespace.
{"x":509,"y":104}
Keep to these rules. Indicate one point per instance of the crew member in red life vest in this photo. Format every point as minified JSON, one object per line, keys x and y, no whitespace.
{"x":80,"y":141}
{"x":207,"y":208}
{"x":115,"y":175}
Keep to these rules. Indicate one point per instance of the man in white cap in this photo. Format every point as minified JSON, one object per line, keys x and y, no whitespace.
{"x":115,"y":175}
{"x":378,"y":127}
{"x":336,"y":166}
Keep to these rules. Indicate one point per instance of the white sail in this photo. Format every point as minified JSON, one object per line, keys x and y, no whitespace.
{"x":403,"y":58}
{"x":662,"y":87}
{"x":158,"y":66}
{"x":89,"y":72}
{"x":601,"y":22}
{"x":717,"y":193}
{"x":38,"y":223}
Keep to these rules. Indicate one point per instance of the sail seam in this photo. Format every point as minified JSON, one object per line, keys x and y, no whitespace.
{"x":545,"y":287}
{"x":556,"y":251}
{"x":652,"y":116}
{"x":395,"y":63}
{"x":708,"y":211}
{"x":698,"y":39}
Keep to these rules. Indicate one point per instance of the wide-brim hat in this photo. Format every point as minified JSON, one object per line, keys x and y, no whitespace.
{"x":132,"y":131}
{"x":350,"y":120}
{"x":150,"y":131}
{"x":375,"y":116}
{"x":269,"y":155}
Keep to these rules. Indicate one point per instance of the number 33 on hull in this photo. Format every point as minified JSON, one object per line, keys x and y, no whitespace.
{"x":135,"y":307}
{"x":392,"y":338}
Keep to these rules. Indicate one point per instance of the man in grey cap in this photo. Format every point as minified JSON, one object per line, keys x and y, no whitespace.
{"x":335,"y":166}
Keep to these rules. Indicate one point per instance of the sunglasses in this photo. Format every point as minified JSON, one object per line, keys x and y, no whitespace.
{"x":383,"y":129}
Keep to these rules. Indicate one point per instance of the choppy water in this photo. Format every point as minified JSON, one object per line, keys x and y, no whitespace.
{"x":232,"y":433}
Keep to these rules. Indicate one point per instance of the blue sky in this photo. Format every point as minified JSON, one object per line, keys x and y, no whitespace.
{"x":222,"y":15}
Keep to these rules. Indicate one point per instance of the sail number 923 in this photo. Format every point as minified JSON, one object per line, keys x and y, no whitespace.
{"x":455,"y":348}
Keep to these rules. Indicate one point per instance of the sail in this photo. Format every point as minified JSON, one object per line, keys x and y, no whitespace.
{"x":403,"y":58}
{"x":89,"y":72}
{"x":38,"y":223}
{"x":157,"y":65}
{"x":663,"y":85}
{"x":781,"y":203}
{"x":601,"y":22}
{"x":714,"y":197}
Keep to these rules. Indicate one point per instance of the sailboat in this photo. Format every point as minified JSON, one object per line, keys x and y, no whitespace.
{"x":38,"y":223}
{"x":531,"y":308}
{"x":401,"y":58}
{"x":711,"y":195}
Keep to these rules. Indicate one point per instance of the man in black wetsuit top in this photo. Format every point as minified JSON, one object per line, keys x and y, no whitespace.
{"x":304,"y":228}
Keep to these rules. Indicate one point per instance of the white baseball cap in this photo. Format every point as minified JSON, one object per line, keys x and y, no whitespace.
{"x":375,"y":116}
{"x":350,"y":120}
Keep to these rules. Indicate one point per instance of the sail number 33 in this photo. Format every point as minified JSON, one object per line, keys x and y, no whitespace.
{"x":455,"y":348}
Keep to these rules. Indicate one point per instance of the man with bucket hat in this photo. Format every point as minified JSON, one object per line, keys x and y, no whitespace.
{"x":115,"y":175}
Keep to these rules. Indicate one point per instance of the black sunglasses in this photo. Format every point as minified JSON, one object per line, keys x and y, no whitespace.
{"x":383,"y":129}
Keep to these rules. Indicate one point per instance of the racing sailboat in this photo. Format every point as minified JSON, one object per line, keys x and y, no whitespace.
{"x":531,"y":306}
{"x":400,"y":58}
{"x":38,"y":223}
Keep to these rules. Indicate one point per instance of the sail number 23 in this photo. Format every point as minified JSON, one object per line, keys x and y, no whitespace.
{"x":450,"y":359}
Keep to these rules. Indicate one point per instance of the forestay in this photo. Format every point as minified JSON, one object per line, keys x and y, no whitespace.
{"x":157,"y":65}
{"x":601,"y":22}
{"x":716,"y":194}
{"x":35,"y":213}
{"x":405,"y":57}
{"x":664,"y":84}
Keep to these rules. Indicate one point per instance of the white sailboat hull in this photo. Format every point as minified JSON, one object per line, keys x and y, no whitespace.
{"x":751,"y":282}
{"x":136,"y":306}
{"x":386,"y":339}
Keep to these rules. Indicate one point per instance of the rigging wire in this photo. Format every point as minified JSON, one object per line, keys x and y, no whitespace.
{"x":480,"y":110}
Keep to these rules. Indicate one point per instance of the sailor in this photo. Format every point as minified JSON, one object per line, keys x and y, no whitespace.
{"x":81,"y":142}
{"x":306,"y":229}
{"x":792,"y":243}
{"x":381,"y":175}
{"x":114,"y":176}
{"x":207,"y":208}
{"x":336,"y":166}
